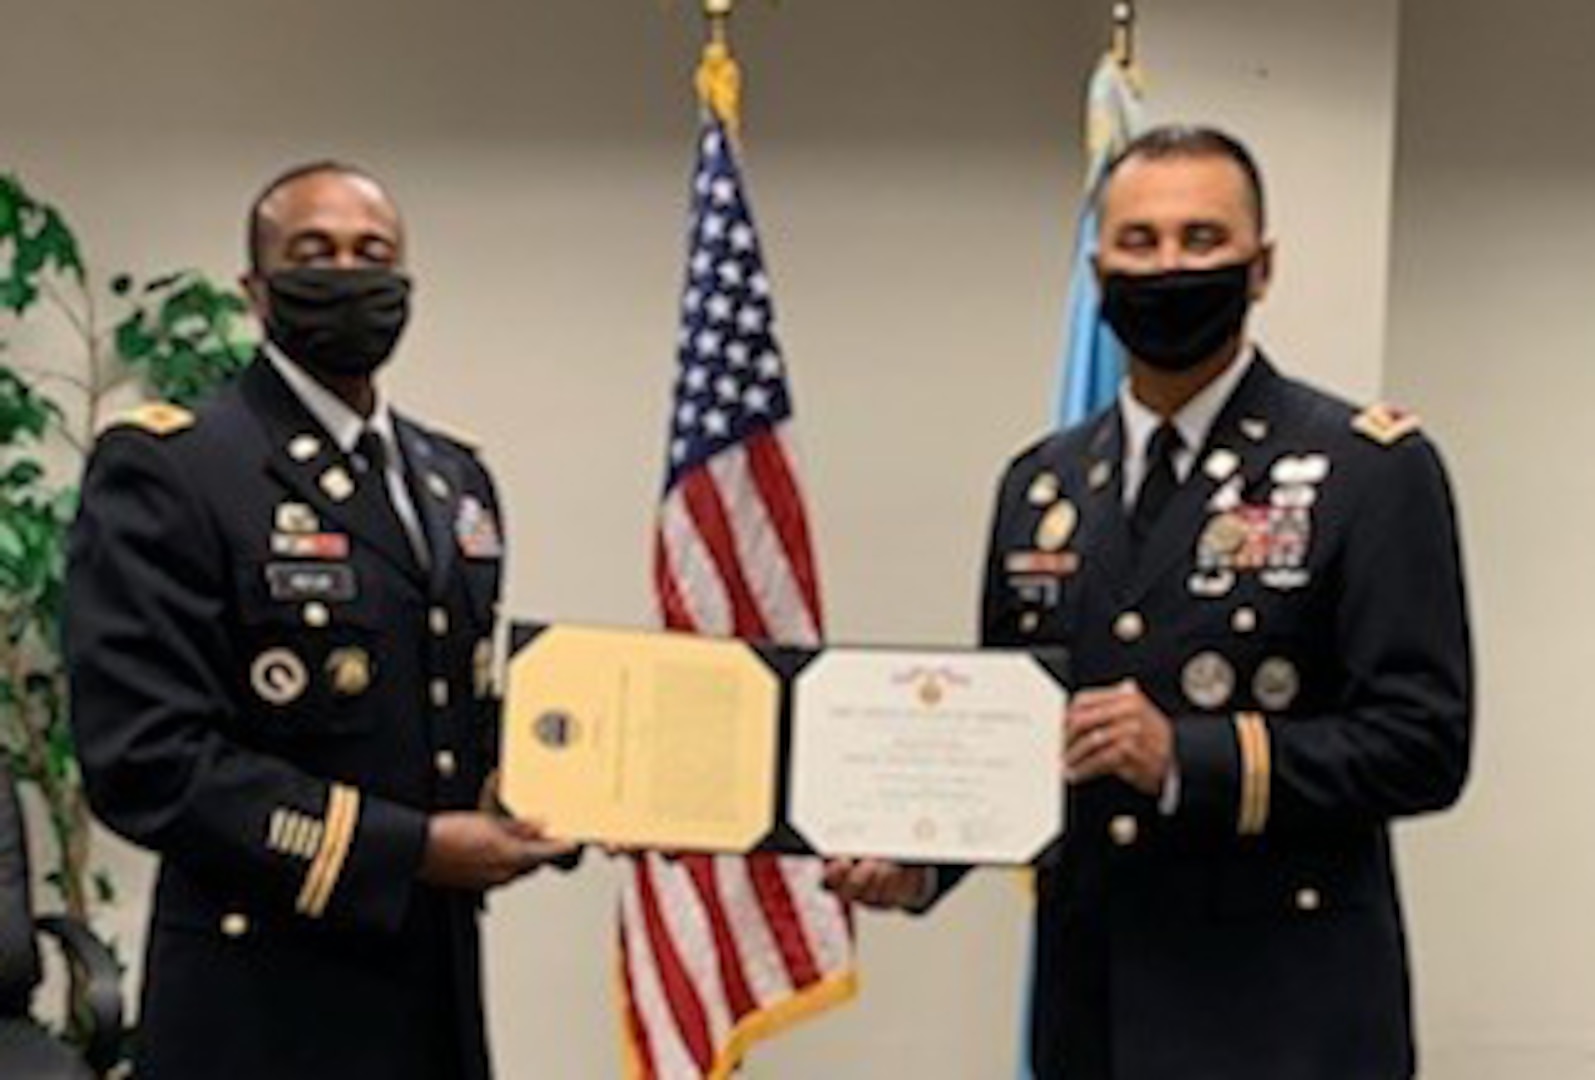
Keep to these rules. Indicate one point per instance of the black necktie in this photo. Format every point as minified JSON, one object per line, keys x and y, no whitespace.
{"x":1158,"y":485}
{"x":371,"y":457}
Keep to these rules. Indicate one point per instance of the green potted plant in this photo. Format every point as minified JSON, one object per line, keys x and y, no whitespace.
{"x":172,"y":337}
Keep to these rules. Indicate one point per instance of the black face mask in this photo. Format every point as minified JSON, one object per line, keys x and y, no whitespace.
{"x":1175,"y":320}
{"x":337,"y":322}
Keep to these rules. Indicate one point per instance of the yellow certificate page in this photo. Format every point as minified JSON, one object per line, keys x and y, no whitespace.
{"x":640,"y":739}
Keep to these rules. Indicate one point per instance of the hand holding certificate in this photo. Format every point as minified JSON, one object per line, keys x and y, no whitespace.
{"x":658,"y":740}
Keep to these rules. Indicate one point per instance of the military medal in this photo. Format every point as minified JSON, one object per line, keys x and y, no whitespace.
{"x":278,"y":676}
{"x":1208,"y":680}
{"x":1276,"y":684}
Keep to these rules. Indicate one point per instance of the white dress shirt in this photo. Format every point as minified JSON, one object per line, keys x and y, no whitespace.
{"x":1194,"y":422}
{"x":346,"y":426}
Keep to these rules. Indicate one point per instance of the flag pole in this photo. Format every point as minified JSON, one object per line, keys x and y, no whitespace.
{"x":718,"y":13}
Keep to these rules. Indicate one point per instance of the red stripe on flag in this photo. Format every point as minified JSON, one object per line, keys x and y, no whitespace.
{"x":783,"y":919}
{"x":672,"y":608}
{"x":680,"y":994}
{"x":639,"y":1035}
{"x":784,"y":503}
{"x":709,"y":516}
{"x":739,"y":996}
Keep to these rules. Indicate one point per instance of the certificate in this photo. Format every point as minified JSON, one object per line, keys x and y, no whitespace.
{"x":928,"y":757}
{"x":699,"y":744}
{"x":646,"y":740}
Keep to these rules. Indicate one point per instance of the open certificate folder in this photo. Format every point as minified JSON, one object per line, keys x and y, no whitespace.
{"x":699,"y":744}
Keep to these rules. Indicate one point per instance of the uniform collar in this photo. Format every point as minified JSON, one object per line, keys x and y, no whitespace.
{"x":329,"y":410}
{"x":1194,"y":421}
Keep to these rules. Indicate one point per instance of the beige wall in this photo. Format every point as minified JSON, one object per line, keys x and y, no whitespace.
{"x":913,"y":167}
{"x":1492,"y":337}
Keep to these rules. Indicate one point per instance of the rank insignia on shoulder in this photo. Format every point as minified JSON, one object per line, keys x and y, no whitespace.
{"x":159,"y":418}
{"x":1386,"y":424}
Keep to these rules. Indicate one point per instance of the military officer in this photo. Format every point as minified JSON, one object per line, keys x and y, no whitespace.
{"x":281,"y":611}
{"x":1261,"y":593}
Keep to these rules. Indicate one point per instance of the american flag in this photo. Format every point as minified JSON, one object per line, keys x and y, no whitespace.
{"x":719,"y":951}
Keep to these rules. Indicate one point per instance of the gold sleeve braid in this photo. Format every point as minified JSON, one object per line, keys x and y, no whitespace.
{"x":1256,"y":773}
{"x":343,"y":811}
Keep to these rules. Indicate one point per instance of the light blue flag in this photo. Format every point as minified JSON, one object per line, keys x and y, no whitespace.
{"x":1092,"y":363}
{"x":1093,"y":360}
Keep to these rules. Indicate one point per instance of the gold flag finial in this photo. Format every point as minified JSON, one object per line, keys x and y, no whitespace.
{"x":1124,"y":33}
{"x":719,"y":79}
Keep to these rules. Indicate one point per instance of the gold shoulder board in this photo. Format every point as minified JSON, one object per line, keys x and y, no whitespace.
{"x":1386,"y":424}
{"x":158,"y":418}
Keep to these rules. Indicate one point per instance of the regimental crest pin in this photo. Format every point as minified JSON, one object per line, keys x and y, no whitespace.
{"x":1057,"y":526}
{"x":1044,"y":489}
{"x":337,"y":483}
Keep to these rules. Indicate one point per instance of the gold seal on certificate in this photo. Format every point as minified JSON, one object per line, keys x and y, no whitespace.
{"x":927,"y":757}
{"x":677,"y":742}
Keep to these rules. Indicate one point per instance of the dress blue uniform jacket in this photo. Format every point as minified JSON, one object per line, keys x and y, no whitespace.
{"x":1299,"y":614}
{"x":273,"y":693}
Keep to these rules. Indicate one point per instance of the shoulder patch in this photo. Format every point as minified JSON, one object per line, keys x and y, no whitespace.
{"x":1386,"y":424}
{"x":159,"y":418}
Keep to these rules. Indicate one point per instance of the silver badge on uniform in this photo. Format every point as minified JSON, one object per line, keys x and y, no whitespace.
{"x":296,"y":518}
{"x":1208,"y":680}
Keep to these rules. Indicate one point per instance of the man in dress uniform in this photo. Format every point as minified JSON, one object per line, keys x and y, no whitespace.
{"x":1261,"y":594}
{"x":281,"y":611}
